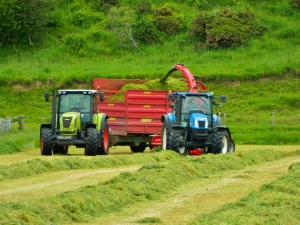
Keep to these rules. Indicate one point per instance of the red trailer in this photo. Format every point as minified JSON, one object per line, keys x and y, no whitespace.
{"x":134,"y":115}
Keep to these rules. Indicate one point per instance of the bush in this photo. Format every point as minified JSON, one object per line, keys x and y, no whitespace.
{"x":167,"y":24}
{"x":165,"y":21}
{"x":75,"y":42}
{"x":106,"y":5}
{"x":143,"y":7}
{"x":295,"y":4}
{"x":225,"y":28}
{"x":147,"y":32}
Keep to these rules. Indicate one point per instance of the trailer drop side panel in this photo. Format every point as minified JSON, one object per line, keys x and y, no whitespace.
{"x":144,"y":109}
{"x":139,"y":114}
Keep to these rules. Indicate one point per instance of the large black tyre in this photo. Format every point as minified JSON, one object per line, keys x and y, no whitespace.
{"x":140,"y":148}
{"x":45,"y":141}
{"x":104,"y":149}
{"x":231,"y":146}
{"x":59,"y":149}
{"x":91,"y":145}
{"x":220,"y":142}
{"x":165,"y":137}
{"x":175,"y":137}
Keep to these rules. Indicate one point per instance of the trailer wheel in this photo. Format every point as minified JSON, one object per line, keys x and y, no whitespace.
{"x":104,"y":149}
{"x":91,"y":145}
{"x":140,"y":148}
{"x":231,"y":146}
{"x":45,"y":141}
{"x":165,"y":137}
{"x":176,"y":136}
{"x":220,"y":142}
{"x":62,"y":149}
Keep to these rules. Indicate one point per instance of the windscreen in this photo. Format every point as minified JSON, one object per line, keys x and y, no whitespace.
{"x":199,"y":103}
{"x":72,"y":101}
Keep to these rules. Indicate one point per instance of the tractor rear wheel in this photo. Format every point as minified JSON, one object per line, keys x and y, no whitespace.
{"x":45,"y":141}
{"x":220,"y":142}
{"x":232,"y":146}
{"x":140,"y":148}
{"x":91,"y":145}
{"x":104,"y":149}
{"x":176,"y":136}
{"x":165,"y":137}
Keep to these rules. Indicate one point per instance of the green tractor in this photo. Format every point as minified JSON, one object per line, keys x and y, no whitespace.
{"x":75,"y":121}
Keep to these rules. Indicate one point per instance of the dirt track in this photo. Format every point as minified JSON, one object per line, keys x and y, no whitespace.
{"x":189,"y":200}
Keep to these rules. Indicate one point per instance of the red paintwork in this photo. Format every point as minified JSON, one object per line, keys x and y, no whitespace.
{"x":190,"y":78}
{"x":196,"y":152}
{"x":140,"y":112}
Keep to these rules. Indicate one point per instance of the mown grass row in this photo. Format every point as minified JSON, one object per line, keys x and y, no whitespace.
{"x":275,"y":203}
{"x":38,"y":166}
{"x":149,"y":183}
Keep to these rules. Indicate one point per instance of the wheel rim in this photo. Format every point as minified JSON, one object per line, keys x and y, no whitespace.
{"x":164,"y":139}
{"x":181,"y":149}
{"x":105,"y":139}
{"x":225,"y":145}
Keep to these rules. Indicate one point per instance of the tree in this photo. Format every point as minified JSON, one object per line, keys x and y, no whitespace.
{"x":24,"y":21}
{"x":120,"y":21}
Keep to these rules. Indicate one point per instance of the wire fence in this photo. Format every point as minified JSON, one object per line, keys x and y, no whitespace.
{"x":8,"y":123}
{"x":271,"y":118}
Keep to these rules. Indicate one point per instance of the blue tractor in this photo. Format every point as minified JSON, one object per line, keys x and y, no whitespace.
{"x":192,"y":127}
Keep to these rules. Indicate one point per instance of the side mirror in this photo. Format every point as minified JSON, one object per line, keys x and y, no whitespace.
{"x":101,"y":96}
{"x":170,"y":97}
{"x":223,"y":98}
{"x":46,"y":96}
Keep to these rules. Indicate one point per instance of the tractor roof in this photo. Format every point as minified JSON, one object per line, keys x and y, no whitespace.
{"x":206,"y":94}
{"x":78,"y":91}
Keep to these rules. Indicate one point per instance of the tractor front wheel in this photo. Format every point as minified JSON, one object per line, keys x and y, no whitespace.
{"x":220,"y":142}
{"x":176,"y":136}
{"x":91,"y":145}
{"x":45,"y":141}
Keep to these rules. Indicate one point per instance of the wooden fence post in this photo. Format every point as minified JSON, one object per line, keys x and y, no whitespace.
{"x":273,"y":118}
{"x":21,"y":118}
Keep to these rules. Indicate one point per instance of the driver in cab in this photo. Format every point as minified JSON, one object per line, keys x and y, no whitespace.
{"x":193,"y":103}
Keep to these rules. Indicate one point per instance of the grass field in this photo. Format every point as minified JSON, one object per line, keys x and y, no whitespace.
{"x":99,"y":190}
{"x":257,"y":184}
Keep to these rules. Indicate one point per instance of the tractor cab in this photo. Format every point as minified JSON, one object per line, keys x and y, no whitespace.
{"x":75,"y":109}
{"x":194,"y":110}
{"x":76,"y":103}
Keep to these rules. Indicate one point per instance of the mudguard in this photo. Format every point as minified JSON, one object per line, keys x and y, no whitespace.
{"x":169,"y":119}
{"x":224,"y":128}
{"x":98,"y":119}
{"x":217,"y":121}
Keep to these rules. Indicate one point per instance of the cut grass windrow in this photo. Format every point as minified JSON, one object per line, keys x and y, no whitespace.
{"x":277,"y":202}
{"x":150,"y":182}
